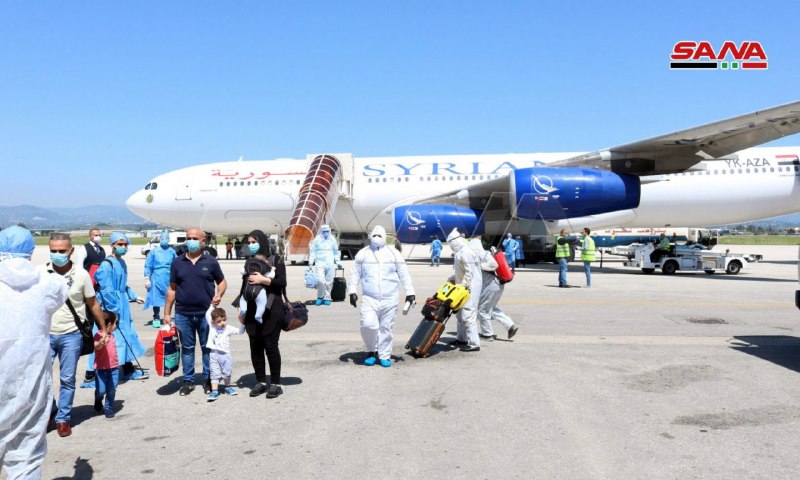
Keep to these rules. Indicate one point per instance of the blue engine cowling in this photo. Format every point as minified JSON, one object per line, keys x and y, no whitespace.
{"x":557,"y":193}
{"x":422,"y":223}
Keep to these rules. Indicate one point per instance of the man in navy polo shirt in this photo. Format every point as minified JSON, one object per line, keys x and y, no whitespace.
{"x":195,"y":282}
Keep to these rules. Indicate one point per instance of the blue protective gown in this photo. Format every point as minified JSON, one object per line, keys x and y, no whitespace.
{"x":510,"y":247}
{"x":114,"y":296}
{"x":436,"y":249}
{"x":156,"y":267}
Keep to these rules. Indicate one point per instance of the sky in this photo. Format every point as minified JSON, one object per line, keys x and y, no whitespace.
{"x":97,"y":98}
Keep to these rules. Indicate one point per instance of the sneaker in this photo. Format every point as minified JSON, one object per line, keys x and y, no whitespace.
{"x":231,"y":391}
{"x":459,"y":343}
{"x":88,"y":380}
{"x":259,"y":389}
{"x":512,"y":331}
{"x":98,"y":404}
{"x":274,"y":390}
{"x":385,"y":362}
{"x":207,"y":387}
{"x":486,"y":338}
{"x":327,"y":303}
{"x":156,"y":323}
{"x":318,"y":302}
{"x":186,"y":388}
{"x":109,"y":413}
{"x":370,"y":361}
{"x":213,"y":396}
{"x":137,"y":375}
{"x":469,"y":348}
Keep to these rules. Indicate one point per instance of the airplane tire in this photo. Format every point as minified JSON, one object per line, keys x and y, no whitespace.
{"x":733,"y":268}
{"x":669,"y":268}
{"x":648,"y":270}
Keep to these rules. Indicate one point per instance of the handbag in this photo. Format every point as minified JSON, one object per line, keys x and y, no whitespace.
{"x":87,"y":345}
{"x":295,"y":314}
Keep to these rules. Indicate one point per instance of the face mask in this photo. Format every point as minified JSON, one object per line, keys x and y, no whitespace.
{"x":120,"y":250}
{"x":59,"y":259}
{"x":97,"y":239}
{"x":193,"y":245}
{"x":326,"y":235}
{"x":165,"y":244}
{"x":378,"y":242}
{"x":254,"y":247}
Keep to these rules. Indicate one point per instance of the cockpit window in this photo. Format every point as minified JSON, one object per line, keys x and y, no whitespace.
{"x":151,"y":186}
{"x":147,"y":187}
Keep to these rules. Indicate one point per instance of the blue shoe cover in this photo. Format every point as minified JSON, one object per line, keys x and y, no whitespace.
{"x":385,"y":362}
{"x":327,"y":302}
{"x":370,"y":361}
{"x":318,"y":302}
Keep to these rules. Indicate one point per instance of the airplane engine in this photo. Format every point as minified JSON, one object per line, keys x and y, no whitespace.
{"x":560,"y":193}
{"x":422,"y":223}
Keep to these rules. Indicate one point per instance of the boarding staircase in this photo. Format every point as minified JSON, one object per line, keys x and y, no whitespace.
{"x":329,"y":178}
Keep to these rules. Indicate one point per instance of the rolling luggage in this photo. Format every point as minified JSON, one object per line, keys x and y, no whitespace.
{"x":339,"y":289}
{"x":435,"y":314}
{"x":425,"y":336}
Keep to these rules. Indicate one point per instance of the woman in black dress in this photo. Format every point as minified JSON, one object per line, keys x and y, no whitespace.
{"x":264,"y":336}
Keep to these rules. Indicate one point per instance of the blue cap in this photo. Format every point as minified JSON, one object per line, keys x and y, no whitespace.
{"x":117,"y":236}
{"x":16,"y":241}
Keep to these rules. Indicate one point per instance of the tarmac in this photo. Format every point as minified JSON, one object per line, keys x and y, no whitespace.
{"x":638,"y":377}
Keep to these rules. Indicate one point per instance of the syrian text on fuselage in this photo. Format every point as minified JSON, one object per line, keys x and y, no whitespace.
{"x":443,"y":168}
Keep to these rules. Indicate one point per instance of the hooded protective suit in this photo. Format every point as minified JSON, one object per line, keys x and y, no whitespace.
{"x":156,"y":269}
{"x":324,"y":255}
{"x":380,"y":270}
{"x":491,"y":291}
{"x":468,"y":274}
{"x":28,"y":298}
{"x":510,"y":247}
{"x":436,"y":251}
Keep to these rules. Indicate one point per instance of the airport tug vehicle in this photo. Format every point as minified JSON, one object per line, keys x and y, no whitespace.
{"x":686,"y":259}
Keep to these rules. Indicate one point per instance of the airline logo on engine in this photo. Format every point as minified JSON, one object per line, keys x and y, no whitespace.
{"x":702,"y":55}
{"x":542,"y":184}
{"x":414,"y":218}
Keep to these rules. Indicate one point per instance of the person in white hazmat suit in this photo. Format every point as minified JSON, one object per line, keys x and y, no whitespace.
{"x":28,"y":298}
{"x":380,"y":270}
{"x":324,"y":256}
{"x":468,"y":274}
{"x":491,"y":291}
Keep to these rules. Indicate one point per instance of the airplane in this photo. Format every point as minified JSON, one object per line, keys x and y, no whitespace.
{"x":709,"y":174}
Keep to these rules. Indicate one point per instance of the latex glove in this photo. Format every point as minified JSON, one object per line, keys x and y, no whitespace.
{"x":353,"y":299}
{"x":139,"y":300}
{"x":147,"y":283}
{"x":411,"y":298}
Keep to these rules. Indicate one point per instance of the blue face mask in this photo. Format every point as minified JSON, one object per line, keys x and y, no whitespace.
{"x":164,"y":243}
{"x":326,"y":235}
{"x":254,"y":247}
{"x":59,"y":259}
{"x":120,"y":250}
{"x":193,"y":245}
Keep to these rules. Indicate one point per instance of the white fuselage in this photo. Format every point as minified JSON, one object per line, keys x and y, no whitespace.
{"x":237,"y":197}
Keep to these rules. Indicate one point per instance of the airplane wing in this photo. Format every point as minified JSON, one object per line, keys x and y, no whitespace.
{"x":675,"y":152}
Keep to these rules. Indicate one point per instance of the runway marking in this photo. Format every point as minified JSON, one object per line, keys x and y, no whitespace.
{"x":726,"y":341}
{"x":657,"y":301}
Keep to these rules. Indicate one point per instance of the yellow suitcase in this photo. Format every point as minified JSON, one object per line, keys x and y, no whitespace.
{"x":454,"y":295}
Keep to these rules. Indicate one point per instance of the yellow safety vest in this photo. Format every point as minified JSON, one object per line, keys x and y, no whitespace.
{"x":587,"y":254}
{"x":562,"y":250}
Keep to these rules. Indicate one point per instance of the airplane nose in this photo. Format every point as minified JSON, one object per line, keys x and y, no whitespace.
{"x":137,"y":202}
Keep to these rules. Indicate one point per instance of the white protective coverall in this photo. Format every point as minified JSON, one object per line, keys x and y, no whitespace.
{"x":468,"y":274}
{"x":380,"y":271}
{"x":324,"y":255}
{"x":28,"y":298}
{"x":491,"y":291}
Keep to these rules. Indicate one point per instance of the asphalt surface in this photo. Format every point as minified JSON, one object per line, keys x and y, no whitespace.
{"x":640,"y":376}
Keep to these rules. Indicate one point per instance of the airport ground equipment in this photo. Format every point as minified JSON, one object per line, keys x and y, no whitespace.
{"x":685,"y":259}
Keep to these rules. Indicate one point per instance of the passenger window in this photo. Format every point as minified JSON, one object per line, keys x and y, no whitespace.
{"x":153,"y":186}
